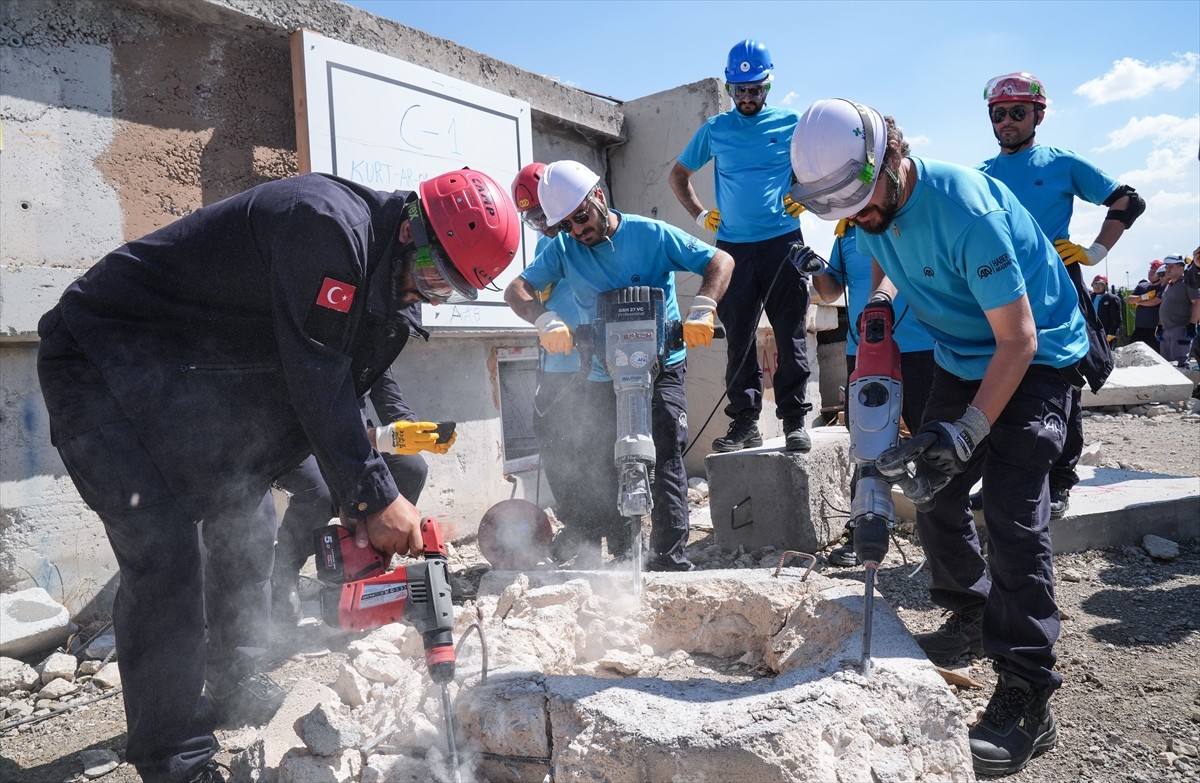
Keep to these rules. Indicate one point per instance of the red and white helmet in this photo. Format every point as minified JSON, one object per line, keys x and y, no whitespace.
{"x":1013,"y":87}
{"x":476,"y":223}
{"x":525,"y":196}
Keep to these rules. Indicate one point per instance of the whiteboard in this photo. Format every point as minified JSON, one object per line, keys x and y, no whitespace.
{"x":389,"y":124}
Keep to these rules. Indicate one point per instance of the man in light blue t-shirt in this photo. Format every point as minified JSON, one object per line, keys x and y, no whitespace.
{"x":1047,"y":180}
{"x":756,"y":224}
{"x":1008,"y":337}
{"x":604,"y":250}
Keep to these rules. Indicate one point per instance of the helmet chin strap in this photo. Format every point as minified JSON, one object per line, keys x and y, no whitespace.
{"x":1019,"y":145}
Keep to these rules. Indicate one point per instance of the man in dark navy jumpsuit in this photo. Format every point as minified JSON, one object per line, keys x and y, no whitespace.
{"x":189,"y":368}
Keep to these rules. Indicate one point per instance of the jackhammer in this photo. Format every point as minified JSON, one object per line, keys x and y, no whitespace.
{"x":361,"y":593}
{"x":633,"y":338}
{"x":874,"y":400}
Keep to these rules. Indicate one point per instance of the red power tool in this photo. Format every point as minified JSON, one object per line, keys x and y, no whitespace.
{"x":363,"y":594}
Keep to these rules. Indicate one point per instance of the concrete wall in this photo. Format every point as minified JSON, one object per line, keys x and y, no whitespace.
{"x":121,"y":116}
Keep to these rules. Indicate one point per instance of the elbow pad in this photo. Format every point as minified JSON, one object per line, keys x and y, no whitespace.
{"x":1127,"y":216}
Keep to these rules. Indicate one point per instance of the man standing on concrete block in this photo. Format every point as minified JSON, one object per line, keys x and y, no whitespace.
{"x":187,"y":369}
{"x":607,"y":250}
{"x":1047,"y":180}
{"x":1008,"y":337}
{"x":1179,"y":313}
{"x":756,"y":223}
{"x":1146,"y":298}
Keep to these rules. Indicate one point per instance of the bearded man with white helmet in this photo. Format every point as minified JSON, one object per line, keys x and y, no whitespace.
{"x":1047,"y":180}
{"x":1008,"y":335}
{"x":602,"y":250}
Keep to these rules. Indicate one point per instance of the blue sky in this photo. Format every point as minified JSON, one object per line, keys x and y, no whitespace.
{"x":1123,"y":77}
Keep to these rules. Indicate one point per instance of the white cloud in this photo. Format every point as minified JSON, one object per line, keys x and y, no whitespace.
{"x":1129,"y":78}
{"x":1163,"y":164}
{"x":1168,"y":200}
{"x":919,"y":141}
{"x":1162,"y":128}
{"x":789,"y":99}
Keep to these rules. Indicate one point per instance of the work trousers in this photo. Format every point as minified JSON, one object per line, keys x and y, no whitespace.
{"x":311,"y":505}
{"x":556,"y":428}
{"x":786,"y":305}
{"x":597,"y":483}
{"x":1015,"y":585}
{"x":165,"y":592}
{"x":1176,"y":345}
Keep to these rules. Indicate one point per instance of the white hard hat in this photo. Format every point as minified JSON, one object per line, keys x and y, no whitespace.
{"x":564,"y":186}
{"x":837,"y":154}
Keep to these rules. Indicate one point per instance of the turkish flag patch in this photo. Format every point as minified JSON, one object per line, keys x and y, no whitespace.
{"x":336,"y":295}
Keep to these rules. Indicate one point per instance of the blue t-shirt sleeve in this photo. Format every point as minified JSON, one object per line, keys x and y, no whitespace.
{"x":1090,"y":182}
{"x":837,"y":262}
{"x":699,"y":149}
{"x":685,"y":251}
{"x":992,"y":271}
{"x":546,"y":269}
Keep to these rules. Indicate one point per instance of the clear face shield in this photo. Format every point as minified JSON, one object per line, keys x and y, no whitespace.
{"x":535,"y":218}
{"x":829,"y":193}
{"x":434,"y":277}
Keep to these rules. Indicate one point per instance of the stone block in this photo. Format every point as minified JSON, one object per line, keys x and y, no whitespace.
{"x":772,"y":497}
{"x":16,"y":676}
{"x":31,"y":621}
{"x":1140,"y":376}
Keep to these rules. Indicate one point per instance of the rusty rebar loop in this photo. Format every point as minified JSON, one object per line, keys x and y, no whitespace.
{"x":783,"y":558}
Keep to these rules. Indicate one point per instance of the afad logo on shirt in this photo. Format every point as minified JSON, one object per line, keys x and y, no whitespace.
{"x":998,"y":264}
{"x":336,"y":295}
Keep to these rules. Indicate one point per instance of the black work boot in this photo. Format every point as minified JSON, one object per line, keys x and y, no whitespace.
{"x":1016,"y":727}
{"x":795,"y":435}
{"x":743,"y":434}
{"x":242,"y":695}
{"x":962,"y":633}
{"x":1060,"y":501}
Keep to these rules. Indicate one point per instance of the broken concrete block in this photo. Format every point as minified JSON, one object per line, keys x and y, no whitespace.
{"x":299,"y":767}
{"x":1140,"y":376}
{"x":108,"y":677}
{"x":396,"y":769}
{"x":102,"y":646}
{"x":378,"y":667}
{"x":772,"y":497}
{"x":17,"y":676}
{"x":1160,"y":548}
{"x":351,"y":686}
{"x":259,"y":762}
{"x":326,"y":732}
{"x":57,"y":689}
{"x":98,"y":762}
{"x":31,"y":621}
{"x":58,"y":666}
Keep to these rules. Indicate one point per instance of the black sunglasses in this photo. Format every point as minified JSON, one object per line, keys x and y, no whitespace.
{"x":751,"y":92}
{"x":1016,"y":112}
{"x":579,"y":218}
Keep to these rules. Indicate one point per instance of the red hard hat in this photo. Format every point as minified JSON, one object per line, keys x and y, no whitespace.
{"x":1155,"y":264}
{"x":515,"y":535}
{"x":1015,"y":86}
{"x":524,"y":187}
{"x":475,"y":221}
{"x":1099,"y":279}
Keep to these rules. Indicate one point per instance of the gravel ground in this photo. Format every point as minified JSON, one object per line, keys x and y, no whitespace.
{"x":1129,"y":708}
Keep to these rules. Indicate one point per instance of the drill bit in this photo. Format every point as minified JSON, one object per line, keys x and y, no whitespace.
{"x":451,"y":743}
{"x":868,"y":617}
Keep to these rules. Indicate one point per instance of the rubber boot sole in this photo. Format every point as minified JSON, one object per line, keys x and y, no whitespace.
{"x":996,"y":768}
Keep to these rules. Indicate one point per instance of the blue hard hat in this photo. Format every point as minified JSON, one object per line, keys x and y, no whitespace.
{"x":749,"y":61}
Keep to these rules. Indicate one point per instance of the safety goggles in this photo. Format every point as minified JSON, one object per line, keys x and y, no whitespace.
{"x":535,"y":218}
{"x":434,"y":277}
{"x":817,"y":197}
{"x":749,"y":91}
{"x":1017,"y":113}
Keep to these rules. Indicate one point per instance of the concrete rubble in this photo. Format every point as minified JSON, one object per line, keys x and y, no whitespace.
{"x":1139,"y":376}
{"x":716,"y":675}
{"x":31,"y":621}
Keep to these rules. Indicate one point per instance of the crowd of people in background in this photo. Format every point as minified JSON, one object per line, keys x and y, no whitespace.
{"x":1162,"y":310}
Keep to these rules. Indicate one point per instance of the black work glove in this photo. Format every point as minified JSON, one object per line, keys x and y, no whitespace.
{"x":1191,"y":331}
{"x":955,"y":442}
{"x":807,"y":259}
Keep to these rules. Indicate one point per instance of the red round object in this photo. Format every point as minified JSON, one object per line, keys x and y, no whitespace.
{"x":514,"y":535}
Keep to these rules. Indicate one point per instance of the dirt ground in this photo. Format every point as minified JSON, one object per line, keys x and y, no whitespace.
{"x":1129,"y":708}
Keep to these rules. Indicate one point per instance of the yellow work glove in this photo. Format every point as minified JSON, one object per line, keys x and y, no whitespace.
{"x":698,"y":326}
{"x":442,"y":447}
{"x":709,"y":218}
{"x":543,"y":296}
{"x":1071,"y":253}
{"x":553,"y":333}
{"x":408,"y":437}
{"x":1111,"y":337}
{"x":1150,"y":294}
{"x":792,"y":208}
{"x":839,"y":230}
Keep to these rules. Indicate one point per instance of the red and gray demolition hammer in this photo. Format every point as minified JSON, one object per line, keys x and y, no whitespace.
{"x":361,"y":594}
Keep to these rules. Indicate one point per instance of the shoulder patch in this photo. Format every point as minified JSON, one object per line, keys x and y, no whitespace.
{"x":336,"y":295}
